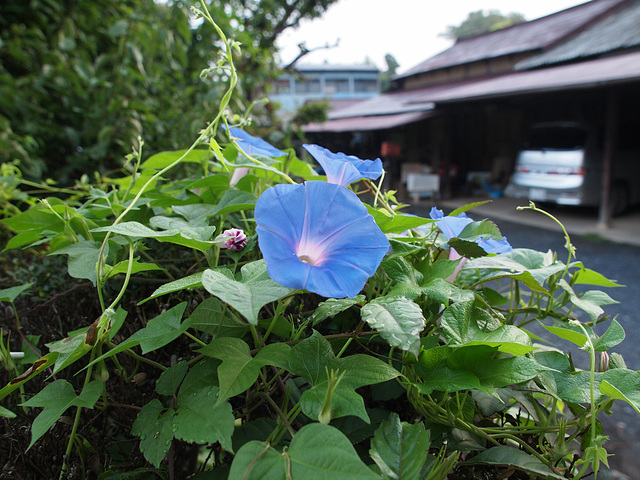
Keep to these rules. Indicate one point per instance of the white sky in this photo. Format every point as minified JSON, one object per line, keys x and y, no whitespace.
{"x":408,"y":29}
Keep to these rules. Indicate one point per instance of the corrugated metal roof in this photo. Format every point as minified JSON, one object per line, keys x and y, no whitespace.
{"x":525,"y":37}
{"x":602,"y":71}
{"x":624,"y":68}
{"x":361,"y":124}
{"x":389,"y":104}
{"x":620,"y":30}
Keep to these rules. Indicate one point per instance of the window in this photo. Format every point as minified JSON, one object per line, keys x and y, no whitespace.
{"x":336,"y":85}
{"x":283,"y":86}
{"x":364,"y":85}
{"x":308,"y":85}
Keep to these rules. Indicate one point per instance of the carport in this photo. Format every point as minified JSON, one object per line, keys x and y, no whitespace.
{"x":608,"y":81}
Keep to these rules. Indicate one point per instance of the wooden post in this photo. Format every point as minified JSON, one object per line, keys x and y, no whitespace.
{"x":610,"y":132}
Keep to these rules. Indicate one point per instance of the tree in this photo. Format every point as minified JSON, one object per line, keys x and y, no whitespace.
{"x":389,"y":73}
{"x":81,"y":81}
{"x":480,"y":22}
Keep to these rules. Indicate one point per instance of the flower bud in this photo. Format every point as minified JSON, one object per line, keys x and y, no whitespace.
{"x":233,"y":239}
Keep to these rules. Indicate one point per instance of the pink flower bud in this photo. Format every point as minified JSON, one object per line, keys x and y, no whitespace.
{"x":233,"y":239}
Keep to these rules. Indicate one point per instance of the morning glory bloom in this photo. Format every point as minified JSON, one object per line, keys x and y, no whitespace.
{"x":344,"y":169}
{"x":318,"y":236}
{"x":253,"y":145}
{"x":452,"y":226}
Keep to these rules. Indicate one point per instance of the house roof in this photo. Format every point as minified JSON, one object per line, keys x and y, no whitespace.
{"x":624,"y":68}
{"x":333,"y":67}
{"x":599,"y":72}
{"x":361,"y":124}
{"x":620,"y":30}
{"x":539,"y":34}
{"x":404,"y":101}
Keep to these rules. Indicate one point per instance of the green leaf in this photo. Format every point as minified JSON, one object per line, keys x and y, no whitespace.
{"x":56,"y":398}
{"x":333,"y":306}
{"x":155,"y":429}
{"x":569,"y":332}
{"x":523,"y":277}
{"x":399,"y":321}
{"x":239,"y":370}
{"x":440,"y":269}
{"x":201,"y":375}
{"x":437,"y":375}
{"x":10,"y":294}
{"x":622,"y":384}
{"x":164,"y":159}
{"x":38,"y":366}
{"x":464,"y":322}
{"x":217,"y":183}
{"x":540,"y":265}
{"x":192,"y":281}
{"x":234,"y":201}
{"x":484,"y":229}
{"x":503,"y":455}
{"x":398,"y":448}
{"x":160,"y":331}
{"x":83,"y":257}
{"x":590,"y":277}
{"x":32,"y":225}
{"x":6,"y":413}
{"x":612,"y":337}
{"x":200,"y":419}
{"x":317,"y":452}
{"x":170,"y":379}
{"x":248,"y":296}
{"x":196,"y":237}
{"x":397,"y":223}
{"x":494,"y":372}
{"x":118,"y":29}
{"x":400,"y":270}
{"x":136,"y":267}
{"x":71,"y":349}
{"x":313,"y":358}
{"x":467,"y":207}
{"x":441,"y":291}
{"x":589,"y":301}
{"x":564,"y":383}
{"x":214,"y":317}
{"x":466,"y":248}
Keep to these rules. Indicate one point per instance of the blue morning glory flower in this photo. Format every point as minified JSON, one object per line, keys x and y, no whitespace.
{"x":318,"y":236}
{"x":253,"y":145}
{"x":344,"y":169}
{"x":451,"y":227}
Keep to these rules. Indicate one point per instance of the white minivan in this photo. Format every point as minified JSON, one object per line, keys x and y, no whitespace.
{"x":561,"y":163}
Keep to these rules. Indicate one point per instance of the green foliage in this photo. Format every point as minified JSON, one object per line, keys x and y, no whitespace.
{"x":81,"y":82}
{"x":317,"y":451}
{"x":430,"y":363}
{"x":480,"y":22}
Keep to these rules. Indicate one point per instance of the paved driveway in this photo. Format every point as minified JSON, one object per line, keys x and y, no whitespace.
{"x":577,"y":220}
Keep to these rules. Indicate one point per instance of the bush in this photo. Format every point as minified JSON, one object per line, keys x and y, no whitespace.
{"x":255,"y":320}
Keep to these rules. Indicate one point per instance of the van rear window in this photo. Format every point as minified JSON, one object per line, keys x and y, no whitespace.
{"x":557,"y":138}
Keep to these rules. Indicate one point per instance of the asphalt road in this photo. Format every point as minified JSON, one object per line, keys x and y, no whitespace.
{"x":622,"y":264}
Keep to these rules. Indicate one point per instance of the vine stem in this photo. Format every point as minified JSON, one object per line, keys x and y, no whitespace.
{"x":76,"y":420}
{"x":588,"y":345}
{"x":568,"y":245}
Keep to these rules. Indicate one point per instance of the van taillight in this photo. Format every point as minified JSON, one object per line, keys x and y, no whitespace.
{"x":567,"y":171}
{"x":552,"y":171}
